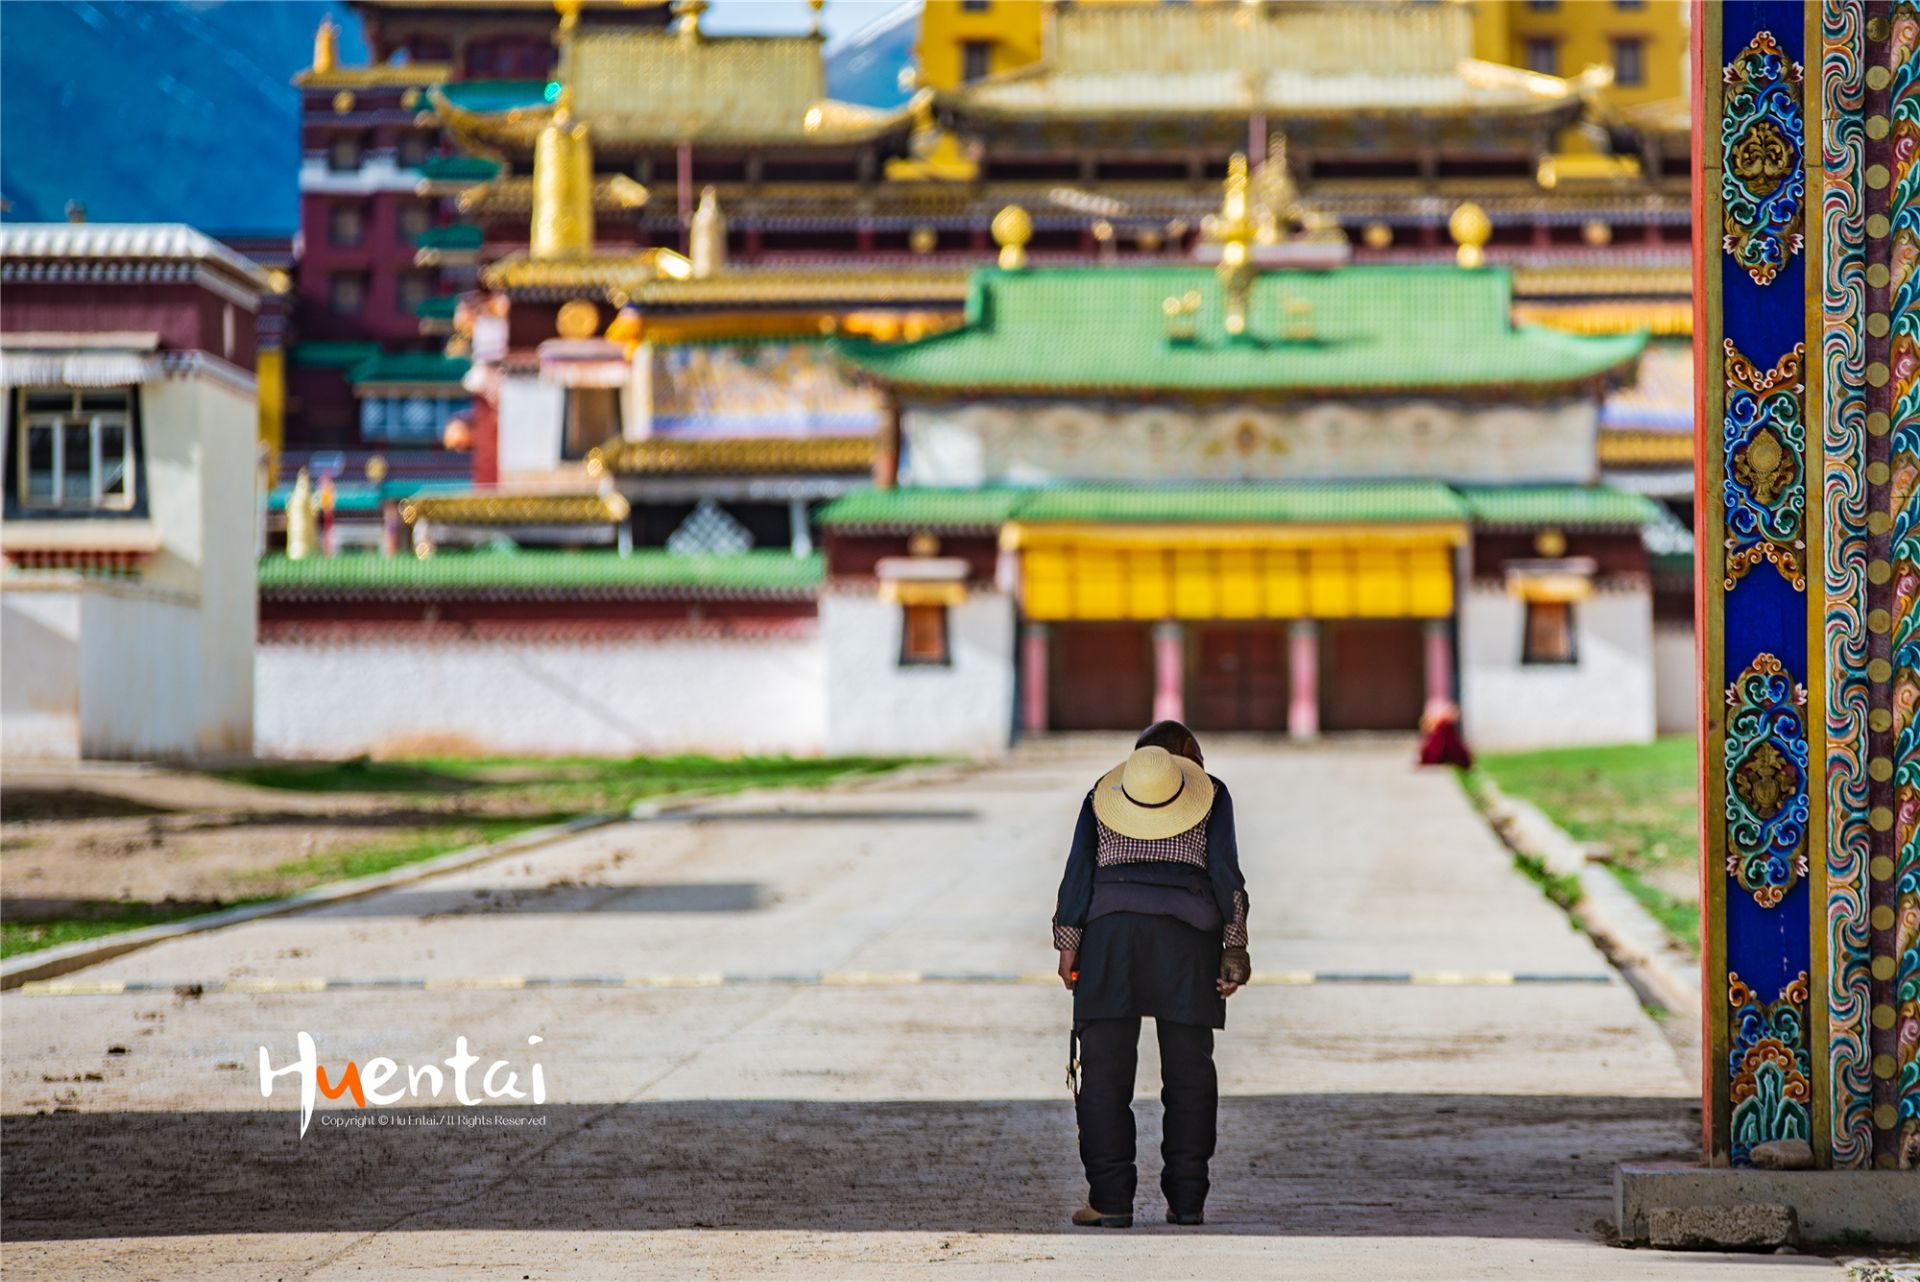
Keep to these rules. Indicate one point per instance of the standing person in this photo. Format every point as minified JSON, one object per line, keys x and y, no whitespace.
{"x":1151,"y":921}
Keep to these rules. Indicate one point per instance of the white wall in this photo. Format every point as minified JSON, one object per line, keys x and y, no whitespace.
{"x":40,"y":674}
{"x":981,"y":442}
{"x":229,"y":569}
{"x":531,"y":414}
{"x":1676,"y":678}
{"x":874,"y":705}
{"x":391,"y":695}
{"x":1606,"y":697}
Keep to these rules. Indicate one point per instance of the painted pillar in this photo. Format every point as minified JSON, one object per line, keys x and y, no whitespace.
{"x":1169,"y":671}
{"x":1034,"y":644}
{"x":1303,"y":679}
{"x":1808,"y":406}
{"x":1437,"y":636}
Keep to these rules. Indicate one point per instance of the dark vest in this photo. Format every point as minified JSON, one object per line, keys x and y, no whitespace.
{"x":1158,"y":887}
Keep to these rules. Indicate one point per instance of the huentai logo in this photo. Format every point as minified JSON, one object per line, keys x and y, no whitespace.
{"x":368,"y":1085}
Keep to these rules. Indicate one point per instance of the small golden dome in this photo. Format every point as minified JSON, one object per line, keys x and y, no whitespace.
{"x":1471,"y":229}
{"x":1012,"y":229}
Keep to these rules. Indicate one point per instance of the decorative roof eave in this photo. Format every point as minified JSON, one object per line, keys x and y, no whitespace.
{"x":1638,"y":448}
{"x":514,"y":195}
{"x":600,"y":274}
{"x":1595,"y":383}
{"x":1660,"y":319}
{"x":1546,"y":115}
{"x":516,"y":509}
{"x":1623,"y":279}
{"x":533,"y":592}
{"x":666,"y":456}
{"x":826,"y":123}
{"x":406,"y":75}
{"x":802,"y":289}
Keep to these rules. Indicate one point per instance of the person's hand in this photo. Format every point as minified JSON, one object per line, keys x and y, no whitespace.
{"x":1067,"y":960}
{"x":1235,"y":969}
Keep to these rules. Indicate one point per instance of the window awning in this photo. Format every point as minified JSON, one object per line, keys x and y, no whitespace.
{"x":44,"y":368}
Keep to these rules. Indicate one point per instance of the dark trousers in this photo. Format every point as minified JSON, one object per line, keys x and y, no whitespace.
{"x":1189,"y":1089}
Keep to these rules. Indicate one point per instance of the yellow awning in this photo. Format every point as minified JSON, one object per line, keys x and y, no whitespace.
{"x":1235,"y":572}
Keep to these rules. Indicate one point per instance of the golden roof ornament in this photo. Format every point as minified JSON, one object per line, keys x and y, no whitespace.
{"x":688,"y":12}
{"x":326,"y":46}
{"x":303,"y":523}
{"x":707,"y":237}
{"x":1275,"y":202}
{"x":815,"y":30}
{"x":1234,"y":230}
{"x":1471,"y":229}
{"x":562,"y":224}
{"x":1012,"y":230}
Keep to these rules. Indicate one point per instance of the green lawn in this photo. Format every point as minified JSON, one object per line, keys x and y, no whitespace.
{"x":1638,"y":801}
{"x":484,"y":800}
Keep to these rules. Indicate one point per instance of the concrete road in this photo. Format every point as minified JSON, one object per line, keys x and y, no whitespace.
{"x":741,"y":1080}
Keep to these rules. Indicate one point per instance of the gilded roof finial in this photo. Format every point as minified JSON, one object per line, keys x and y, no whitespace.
{"x":569,"y":11}
{"x":303,"y":520}
{"x":326,"y":45}
{"x":689,"y":11}
{"x":707,"y":238}
{"x":1012,"y":229}
{"x":1471,"y":229}
{"x":1234,"y":228}
{"x":562,"y":187}
{"x":816,"y":6}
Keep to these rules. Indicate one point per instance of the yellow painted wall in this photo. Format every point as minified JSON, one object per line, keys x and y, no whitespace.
{"x":1584,"y":31}
{"x":1013,"y":27}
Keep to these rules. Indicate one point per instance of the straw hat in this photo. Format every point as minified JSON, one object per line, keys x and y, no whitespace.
{"x":1153,"y":794}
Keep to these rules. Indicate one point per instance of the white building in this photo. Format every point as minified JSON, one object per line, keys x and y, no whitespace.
{"x":127,"y":604}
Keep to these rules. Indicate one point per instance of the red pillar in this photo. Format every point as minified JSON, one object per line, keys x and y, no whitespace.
{"x":485,"y":421}
{"x":1303,"y":679}
{"x":683,"y":190}
{"x":1033,"y":679}
{"x":1169,"y":671}
{"x":1439,"y":652}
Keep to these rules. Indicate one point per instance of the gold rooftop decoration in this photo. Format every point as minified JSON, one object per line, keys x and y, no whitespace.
{"x":1012,"y":229}
{"x":1471,"y":229}
{"x":1233,"y":230}
{"x":515,"y":509}
{"x":326,"y":46}
{"x":562,"y":188}
{"x":684,"y":456}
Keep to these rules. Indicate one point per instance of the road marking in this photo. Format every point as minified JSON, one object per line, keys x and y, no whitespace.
{"x":800,"y":979}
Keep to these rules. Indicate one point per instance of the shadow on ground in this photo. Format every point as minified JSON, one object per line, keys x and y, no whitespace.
{"x":1318,"y":1165}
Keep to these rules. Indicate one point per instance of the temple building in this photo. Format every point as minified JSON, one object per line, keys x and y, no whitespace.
{"x":127,"y":602}
{"x":1304,"y":497}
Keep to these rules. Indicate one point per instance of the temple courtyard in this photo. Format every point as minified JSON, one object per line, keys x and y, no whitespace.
{"x":817,"y":1035}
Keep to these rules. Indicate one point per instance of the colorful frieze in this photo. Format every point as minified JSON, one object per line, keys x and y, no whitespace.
{"x":1764,"y":436}
{"x":1763,"y":187}
{"x":1767,"y":807}
{"x":1769,"y":1067}
{"x":1843,"y":579}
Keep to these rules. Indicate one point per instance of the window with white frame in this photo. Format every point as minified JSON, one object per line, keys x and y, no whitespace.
{"x":76,"y":449}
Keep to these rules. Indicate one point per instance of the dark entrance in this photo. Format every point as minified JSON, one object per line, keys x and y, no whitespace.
{"x":1238,"y":677}
{"x":1371,"y":674}
{"x":1101,"y":676}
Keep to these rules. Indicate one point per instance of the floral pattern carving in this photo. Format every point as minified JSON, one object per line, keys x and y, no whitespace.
{"x":1764,"y":440}
{"x":1763,"y":188}
{"x":1767,"y":807}
{"x":1769,"y":1066}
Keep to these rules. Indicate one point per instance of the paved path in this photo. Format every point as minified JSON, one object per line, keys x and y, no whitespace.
{"x":867,"y":1125}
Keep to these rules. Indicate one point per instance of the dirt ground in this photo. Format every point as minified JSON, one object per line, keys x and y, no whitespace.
{"x":81,"y":834}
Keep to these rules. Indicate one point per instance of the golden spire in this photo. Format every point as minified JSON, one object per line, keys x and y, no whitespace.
{"x":816,"y":6}
{"x":707,"y":238}
{"x":562,"y":187}
{"x":1234,"y":228}
{"x":689,"y":12}
{"x":303,"y":525}
{"x":326,"y":46}
{"x":1012,"y":229}
{"x":1471,"y":229}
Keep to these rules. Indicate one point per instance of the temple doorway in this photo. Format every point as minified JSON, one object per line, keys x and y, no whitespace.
{"x":1371,"y":674}
{"x":1237,"y":676}
{"x":1101,"y":677}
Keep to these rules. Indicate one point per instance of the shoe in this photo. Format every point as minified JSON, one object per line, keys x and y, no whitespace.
{"x":1186,"y":1217}
{"x":1088,"y":1218}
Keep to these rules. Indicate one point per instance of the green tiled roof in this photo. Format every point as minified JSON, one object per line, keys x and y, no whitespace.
{"x":923,"y":508}
{"x":495,"y":95}
{"x":456,"y":573}
{"x":1381,"y":329}
{"x":440,"y":307}
{"x":1574,"y":505}
{"x":1300,"y":501}
{"x":410,"y":367}
{"x":1289,"y":503}
{"x":459,"y":236}
{"x":321,"y":354}
{"x":1285,"y":502}
{"x":469,"y":169}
